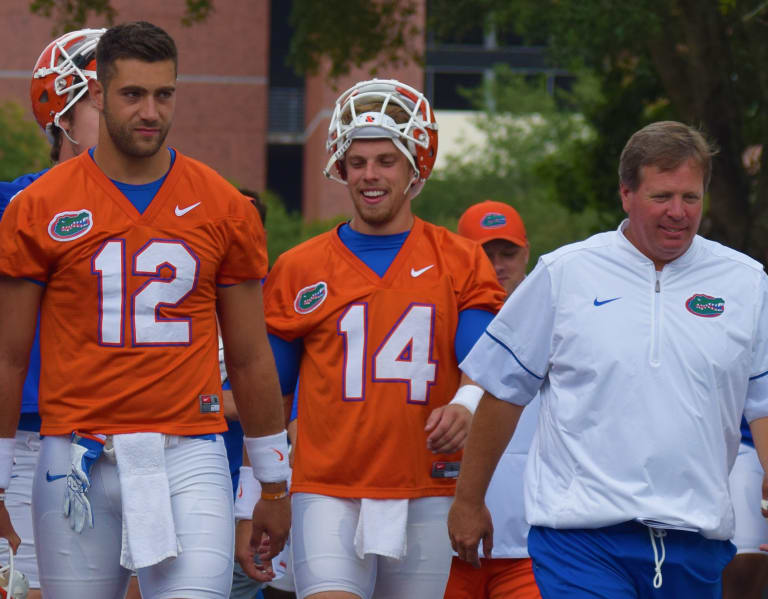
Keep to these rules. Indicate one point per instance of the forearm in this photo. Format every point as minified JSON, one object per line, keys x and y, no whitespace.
{"x":492,"y":427}
{"x":19,"y":301}
{"x":759,"y":428}
{"x":257,"y":395}
{"x":11,"y":384}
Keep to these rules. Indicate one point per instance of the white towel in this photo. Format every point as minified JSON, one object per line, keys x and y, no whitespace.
{"x":149,"y":534}
{"x":381,"y":528}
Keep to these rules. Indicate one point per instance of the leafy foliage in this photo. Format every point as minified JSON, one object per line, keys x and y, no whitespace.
{"x":287,"y":229}
{"x":23,"y":148}
{"x":74,"y":14}
{"x":529,"y":138}
{"x":350,"y":33}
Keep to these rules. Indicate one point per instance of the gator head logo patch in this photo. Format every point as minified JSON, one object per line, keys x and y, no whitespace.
{"x":705,"y":305}
{"x":493,"y":220}
{"x":66,"y":226}
{"x":310,"y":298}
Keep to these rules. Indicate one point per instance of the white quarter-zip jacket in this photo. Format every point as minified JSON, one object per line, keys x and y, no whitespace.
{"x":643,"y":376}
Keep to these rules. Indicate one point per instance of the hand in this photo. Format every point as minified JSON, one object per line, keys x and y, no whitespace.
{"x":248,"y":556}
{"x":448,"y":427}
{"x":6,"y":528}
{"x":468,"y":524}
{"x":273,"y":519}
{"x":83,"y":452}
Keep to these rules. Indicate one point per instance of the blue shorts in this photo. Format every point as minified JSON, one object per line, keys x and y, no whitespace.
{"x":617,"y":562}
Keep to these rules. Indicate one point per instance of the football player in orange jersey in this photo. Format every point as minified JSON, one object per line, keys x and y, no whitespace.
{"x":131,"y":250}
{"x":62,"y":108}
{"x":374,"y":316}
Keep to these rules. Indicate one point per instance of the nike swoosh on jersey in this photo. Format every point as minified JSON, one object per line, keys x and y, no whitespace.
{"x":597,"y":302}
{"x":52,"y":477}
{"x":183,"y":211}
{"x":421,"y":271}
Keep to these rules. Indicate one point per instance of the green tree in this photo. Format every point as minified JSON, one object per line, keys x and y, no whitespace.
{"x":528,"y":135}
{"x":698,"y":61}
{"x":23,"y":148}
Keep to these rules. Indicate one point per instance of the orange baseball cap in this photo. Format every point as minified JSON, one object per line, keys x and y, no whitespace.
{"x":493,"y":220}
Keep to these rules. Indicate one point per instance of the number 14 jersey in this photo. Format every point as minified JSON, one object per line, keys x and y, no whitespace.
{"x":378,"y":357}
{"x":128,"y":324}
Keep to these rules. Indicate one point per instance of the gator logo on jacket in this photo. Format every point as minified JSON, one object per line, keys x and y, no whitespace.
{"x":66,"y":226}
{"x":705,"y":305}
{"x":310,"y":298}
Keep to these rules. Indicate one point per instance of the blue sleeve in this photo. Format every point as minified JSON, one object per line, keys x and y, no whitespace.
{"x":287,"y":358}
{"x":471,"y":325}
{"x":295,"y":404}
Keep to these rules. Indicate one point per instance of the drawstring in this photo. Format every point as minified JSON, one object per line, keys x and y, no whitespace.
{"x":657,"y":534}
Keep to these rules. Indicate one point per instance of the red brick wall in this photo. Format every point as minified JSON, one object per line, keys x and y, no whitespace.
{"x":221,"y":114}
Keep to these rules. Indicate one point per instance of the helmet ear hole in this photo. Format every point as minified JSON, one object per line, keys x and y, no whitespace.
{"x":43,"y":97}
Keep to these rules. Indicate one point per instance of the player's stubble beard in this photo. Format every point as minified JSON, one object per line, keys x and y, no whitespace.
{"x":378,"y":215}
{"x":122,"y":135}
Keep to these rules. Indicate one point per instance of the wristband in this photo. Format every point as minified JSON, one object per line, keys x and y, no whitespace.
{"x":274,"y":496}
{"x":247,"y":494}
{"x":269,"y":457}
{"x":7,"y":448}
{"x":468,"y":396}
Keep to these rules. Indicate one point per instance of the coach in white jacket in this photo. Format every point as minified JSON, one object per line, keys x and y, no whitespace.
{"x":646,"y":345}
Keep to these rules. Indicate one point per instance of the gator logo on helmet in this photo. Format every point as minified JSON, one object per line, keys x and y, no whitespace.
{"x":493,"y":220}
{"x":66,"y":226}
{"x":705,"y":305}
{"x":310,"y":298}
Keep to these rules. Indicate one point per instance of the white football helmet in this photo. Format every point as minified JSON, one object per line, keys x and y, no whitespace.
{"x":416,"y":138}
{"x":60,"y":76}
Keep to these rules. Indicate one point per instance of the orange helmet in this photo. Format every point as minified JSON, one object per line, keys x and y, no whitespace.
{"x":416,"y":138}
{"x":61,"y":74}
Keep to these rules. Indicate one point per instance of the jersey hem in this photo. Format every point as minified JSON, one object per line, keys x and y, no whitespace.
{"x":113,"y":430}
{"x":358,"y":493}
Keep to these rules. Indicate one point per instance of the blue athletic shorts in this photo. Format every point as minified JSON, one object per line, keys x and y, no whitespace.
{"x":617,"y":562}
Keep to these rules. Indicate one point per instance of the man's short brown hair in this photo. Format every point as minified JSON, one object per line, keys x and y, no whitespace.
{"x":665,"y":145}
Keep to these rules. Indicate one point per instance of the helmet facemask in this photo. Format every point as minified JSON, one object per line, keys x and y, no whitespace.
{"x":384,"y":109}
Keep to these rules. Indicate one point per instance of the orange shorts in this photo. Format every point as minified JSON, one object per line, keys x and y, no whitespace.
{"x":507,"y":578}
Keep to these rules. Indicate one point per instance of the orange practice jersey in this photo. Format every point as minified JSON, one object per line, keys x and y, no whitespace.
{"x":128,"y":329}
{"x":378,"y":357}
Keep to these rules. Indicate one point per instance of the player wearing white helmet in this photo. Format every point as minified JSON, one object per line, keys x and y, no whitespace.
{"x":60,"y":103}
{"x":374,"y":316}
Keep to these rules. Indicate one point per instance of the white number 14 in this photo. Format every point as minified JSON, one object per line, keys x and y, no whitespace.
{"x":405,"y":355}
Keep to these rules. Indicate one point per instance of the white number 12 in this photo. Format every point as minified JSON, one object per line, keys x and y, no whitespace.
{"x":108,"y":264}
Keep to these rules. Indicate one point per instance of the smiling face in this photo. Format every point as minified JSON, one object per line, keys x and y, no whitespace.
{"x":664,"y":211}
{"x":378,"y":175}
